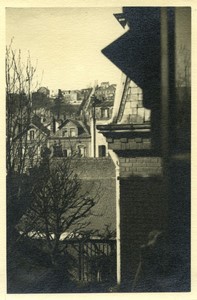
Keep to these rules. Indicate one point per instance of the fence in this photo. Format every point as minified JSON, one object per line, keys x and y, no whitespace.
{"x":95,"y":259}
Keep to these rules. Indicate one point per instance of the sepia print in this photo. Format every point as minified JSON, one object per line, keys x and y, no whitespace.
{"x":98,"y":137}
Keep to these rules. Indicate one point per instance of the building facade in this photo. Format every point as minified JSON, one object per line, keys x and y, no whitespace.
{"x":70,"y":138}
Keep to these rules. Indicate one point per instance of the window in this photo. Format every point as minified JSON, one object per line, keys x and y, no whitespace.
{"x":102,"y":151}
{"x":72,"y":132}
{"x":32,"y":135}
{"x":82,"y":151}
{"x":65,"y":154}
{"x":69,"y":152}
{"x":57,"y":148}
{"x":65,"y":133}
{"x":104,"y":112}
{"x":39,"y":151}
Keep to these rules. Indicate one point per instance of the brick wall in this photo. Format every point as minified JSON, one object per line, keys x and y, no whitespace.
{"x":140,"y":166}
{"x":135,"y":143}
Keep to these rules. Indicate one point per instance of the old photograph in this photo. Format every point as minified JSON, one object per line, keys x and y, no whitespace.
{"x":98,"y":143}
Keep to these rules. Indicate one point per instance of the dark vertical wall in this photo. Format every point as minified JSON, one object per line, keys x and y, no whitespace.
{"x":179,"y":221}
{"x":179,"y":158}
{"x":143,"y":209}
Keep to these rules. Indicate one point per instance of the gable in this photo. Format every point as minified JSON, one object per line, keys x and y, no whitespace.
{"x":72,"y":128}
{"x":70,"y":124}
{"x":40,"y":128}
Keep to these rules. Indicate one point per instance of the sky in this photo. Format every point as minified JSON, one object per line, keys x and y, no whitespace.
{"x":67,"y":43}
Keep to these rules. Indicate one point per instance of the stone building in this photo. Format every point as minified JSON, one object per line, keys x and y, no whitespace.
{"x":71,"y":137}
{"x":153,"y":158}
{"x":106,"y":91}
{"x":98,"y":109}
{"x":140,"y":201}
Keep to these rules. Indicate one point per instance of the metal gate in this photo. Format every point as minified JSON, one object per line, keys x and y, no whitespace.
{"x":95,"y":259}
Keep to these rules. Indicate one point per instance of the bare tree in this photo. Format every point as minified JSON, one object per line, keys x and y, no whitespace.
{"x":20,"y":82}
{"x":19,"y":85}
{"x":59,"y":209}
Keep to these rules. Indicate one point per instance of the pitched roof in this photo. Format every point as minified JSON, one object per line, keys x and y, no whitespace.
{"x":35,"y":123}
{"x":79,"y":124}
